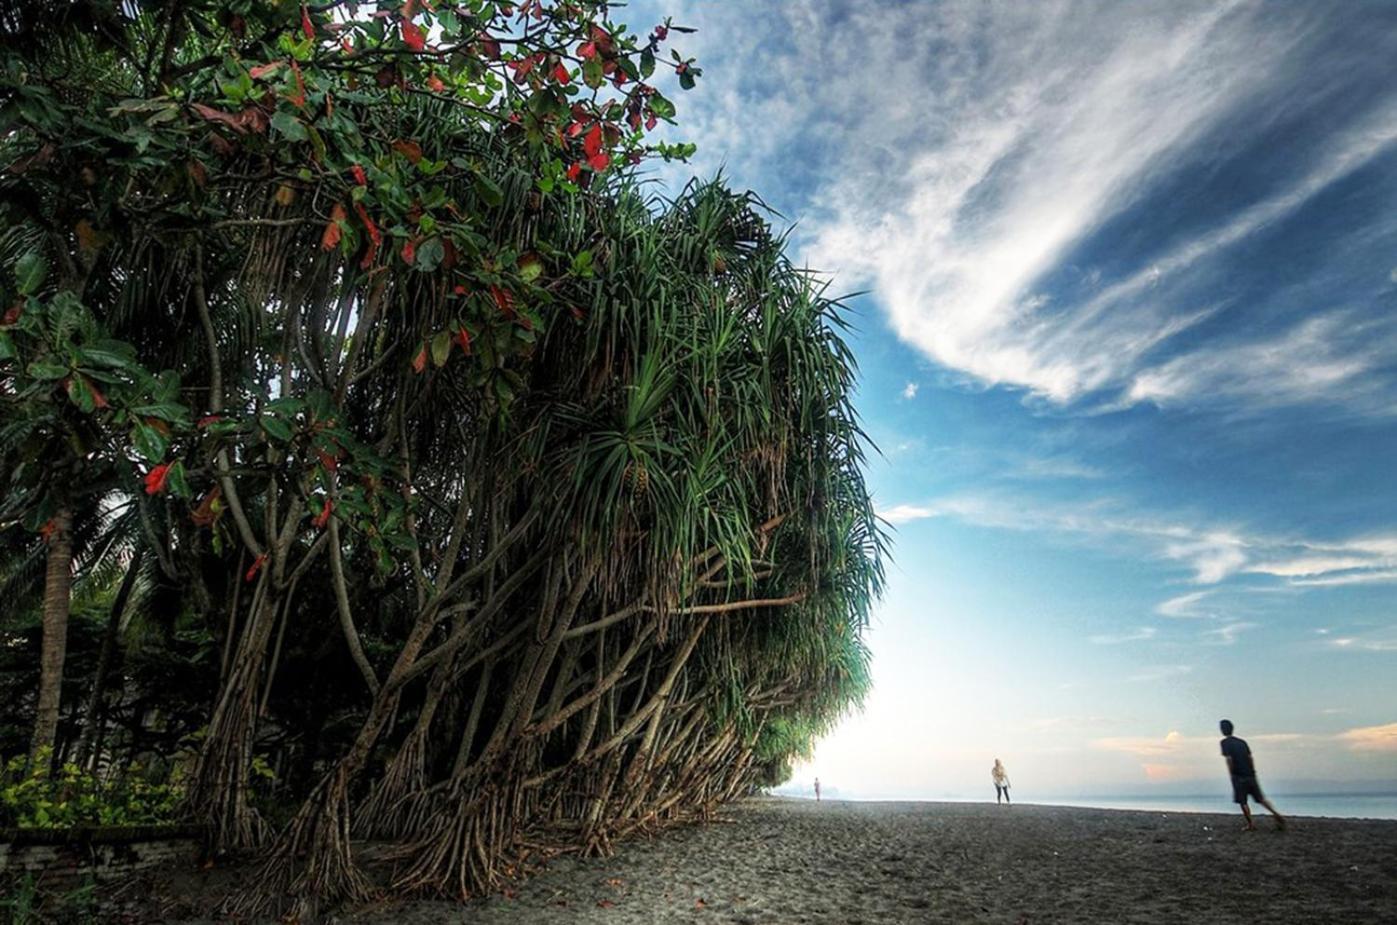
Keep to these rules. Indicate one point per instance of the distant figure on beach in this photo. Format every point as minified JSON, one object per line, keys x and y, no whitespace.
{"x":1243,"y":772}
{"x":1001,"y":782}
{"x":817,"y":790}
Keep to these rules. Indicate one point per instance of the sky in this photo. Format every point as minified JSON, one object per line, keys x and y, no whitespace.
{"x":1126,"y":328}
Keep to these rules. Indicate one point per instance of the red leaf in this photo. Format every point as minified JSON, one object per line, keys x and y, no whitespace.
{"x":587,"y":51}
{"x":459,"y":290}
{"x":375,"y":238}
{"x":359,"y":176}
{"x":297,"y":99}
{"x":575,"y":129}
{"x":419,"y":362}
{"x":560,"y":73}
{"x":204,"y":514}
{"x":599,"y":162}
{"x":12,"y":314}
{"x":409,"y":149}
{"x":412,"y":36}
{"x":323,"y":517}
{"x":307,"y":26}
{"x":574,"y":171}
{"x":98,"y":399}
{"x":463,"y":338}
{"x":489,"y":47}
{"x":592,"y":143}
{"x":331,"y":238}
{"x":208,"y":419}
{"x":222,"y":118}
{"x":256,"y":567}
{"x":504,"y":299}
{"x":155,"y":479}
{"x":650,"y":121}
{"x":435,"y":85}
{"x":330,"y":461}
{"x":262,"y":70}
{"x":409,"y":252}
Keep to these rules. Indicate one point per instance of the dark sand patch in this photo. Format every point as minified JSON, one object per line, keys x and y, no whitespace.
{"x":791,"y":861}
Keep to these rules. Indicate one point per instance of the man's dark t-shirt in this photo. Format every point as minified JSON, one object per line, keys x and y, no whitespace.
{"x":1237,"y":750}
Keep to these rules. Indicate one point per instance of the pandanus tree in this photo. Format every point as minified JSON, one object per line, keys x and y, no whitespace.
{"x":570,"y":474}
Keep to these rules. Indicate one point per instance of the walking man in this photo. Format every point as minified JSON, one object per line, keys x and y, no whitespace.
{"x":1243,"y":771}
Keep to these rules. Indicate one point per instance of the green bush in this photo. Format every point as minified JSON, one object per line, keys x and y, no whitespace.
{"x":33,"y":799}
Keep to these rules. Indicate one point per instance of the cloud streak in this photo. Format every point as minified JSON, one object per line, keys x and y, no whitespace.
{"x":1023,"y":138}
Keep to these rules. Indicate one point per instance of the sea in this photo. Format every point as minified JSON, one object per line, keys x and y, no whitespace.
{"x":1335,"y":805}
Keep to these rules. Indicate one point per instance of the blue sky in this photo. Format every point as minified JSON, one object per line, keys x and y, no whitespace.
{"x":1129,"y":351}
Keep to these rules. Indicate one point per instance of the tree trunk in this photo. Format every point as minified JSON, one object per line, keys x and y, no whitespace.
{"x":92,"y":716}
{"x":58,"y":585}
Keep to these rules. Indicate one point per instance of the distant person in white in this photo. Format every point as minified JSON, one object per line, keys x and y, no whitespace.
{"x":817,"y":790}
{"x":1001,"y":782}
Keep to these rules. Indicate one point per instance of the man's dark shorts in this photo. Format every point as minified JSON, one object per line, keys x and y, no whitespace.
{"x":1243,"y":787}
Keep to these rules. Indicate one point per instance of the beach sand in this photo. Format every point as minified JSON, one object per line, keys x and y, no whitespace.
{"x":796,"y":861}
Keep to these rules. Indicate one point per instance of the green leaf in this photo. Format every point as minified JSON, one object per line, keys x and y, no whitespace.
{"x":149,"y":442}
{"x":582,"y":264}
{"x":276,"y":427}
{"x":430,"y":254}
{"x":30,"y":272}
{"x":289,"y":126}
{"x":661,"y":106}
{"x":441,"y":348}
{"x":47,"y":369}
{"x":165,"y":411}
{"x":647,"y":63}
{"x":7,"y":347}
{"x":290,"y":405}
{"x":80,"y":395}
{"x":177,"y":481}
{"x":489,"y":190}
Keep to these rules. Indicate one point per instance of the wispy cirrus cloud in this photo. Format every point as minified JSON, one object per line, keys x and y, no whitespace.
{"x":1227,"y":634}
{"x":1213,"y":553}
{"x":1140,"y":634}
{"x":977,"y":204}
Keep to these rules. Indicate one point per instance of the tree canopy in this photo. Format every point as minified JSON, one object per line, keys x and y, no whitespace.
{"x":480,"y":498}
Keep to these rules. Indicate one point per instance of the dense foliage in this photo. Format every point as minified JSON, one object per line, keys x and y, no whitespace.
{"x":473,"y":499}
{"x":30,"y":797}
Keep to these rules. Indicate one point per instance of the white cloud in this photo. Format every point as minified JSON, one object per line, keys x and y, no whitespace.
{"x":1212,"y":553}
{"x":1160,"y":673}
{"x":909,"y":391}
{"x":1379,"y":640}
{"x":906,"y":513}
{"x":1227,"y":634}
{"x":1137,"y":635}
{"x":1371,"y":738}
{"x":1185,"y":605}
{"x":1017,"y":132}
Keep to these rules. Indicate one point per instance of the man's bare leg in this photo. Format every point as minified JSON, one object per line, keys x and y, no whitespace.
{"x":1280,"y":820}
{"x":1246,"y":811}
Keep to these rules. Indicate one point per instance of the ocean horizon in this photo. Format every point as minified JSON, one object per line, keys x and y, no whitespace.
{"x":1330,"y":805}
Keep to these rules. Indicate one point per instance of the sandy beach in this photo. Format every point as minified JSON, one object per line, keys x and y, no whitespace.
{"x":795,"y":861}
